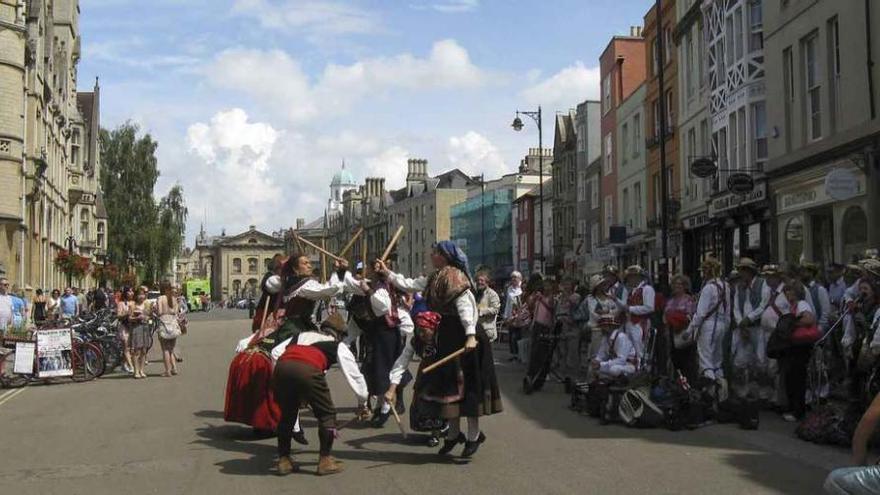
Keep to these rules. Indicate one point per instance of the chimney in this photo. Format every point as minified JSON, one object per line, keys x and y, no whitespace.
{"x":424,"y":169}
{"x":300,"y":223}
{"x":380,"y":186}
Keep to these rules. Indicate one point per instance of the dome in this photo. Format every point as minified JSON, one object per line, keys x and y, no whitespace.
{"x":343,"y":178}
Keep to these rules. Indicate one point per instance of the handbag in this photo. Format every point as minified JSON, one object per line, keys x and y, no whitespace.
{"x":170,"y":327}
{"x":805,"y":335}
{"x":780,"y":340}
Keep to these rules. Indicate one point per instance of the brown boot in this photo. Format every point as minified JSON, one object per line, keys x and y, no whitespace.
{"x":286,"y":465}
{"x":328,"y":465}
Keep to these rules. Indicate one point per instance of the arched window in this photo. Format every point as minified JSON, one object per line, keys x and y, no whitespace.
{"x":252,"y":265}
{"x":101,"y":235}
{"x":84,"y":224}
{"x":794,"y":240}
{"x":236,"y":265}
{"x":251,"y":287}
{"x":236,"y":287}
{"x":855,"y":232}
{"x":267,"y":263}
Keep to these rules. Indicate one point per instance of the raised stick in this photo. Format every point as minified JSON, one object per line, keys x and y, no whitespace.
{"x":364,"y":255}
{"x":445,"y":360}
{"x":319,"y":249}
{"x":351,"y":242}
{"x":392,"y":243}
{"x":324,"y":253}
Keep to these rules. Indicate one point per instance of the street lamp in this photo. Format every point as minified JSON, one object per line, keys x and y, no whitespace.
{"x":70,"y":245}
{"x":518,"y":126}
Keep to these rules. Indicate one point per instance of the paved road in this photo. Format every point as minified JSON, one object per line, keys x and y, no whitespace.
{"x":167,"y":435}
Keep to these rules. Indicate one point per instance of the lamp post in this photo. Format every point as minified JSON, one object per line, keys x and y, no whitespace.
{"x":70,"y":245}
{"x":517,"y":126}
{"x":664,"y":180}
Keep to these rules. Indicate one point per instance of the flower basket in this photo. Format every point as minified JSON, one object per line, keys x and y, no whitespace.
{"x":72,"y":264}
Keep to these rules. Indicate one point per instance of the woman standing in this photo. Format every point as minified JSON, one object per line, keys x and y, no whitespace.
{"x":677,"y":316}
{"x":168,"y":310}
{"x":450,"y":292}
{"x":53,"y":305}
{"x":141,"y":338}
{"x":794,"y":362}
{"x":123,"y":329}
{"x":40,"y":314}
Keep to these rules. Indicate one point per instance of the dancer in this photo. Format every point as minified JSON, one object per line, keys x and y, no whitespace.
{"x":299,"y":378}
{"x":748,"y":306}
{"x":711,"y":320}
{"x":450,"y":292}
{"x":637,"y":302}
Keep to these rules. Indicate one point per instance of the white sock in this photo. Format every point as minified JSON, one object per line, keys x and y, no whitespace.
{"x":386,"y":408}
{"x":454,"y":429}
{"x":473,"y":429}
{"x":296,"y":427}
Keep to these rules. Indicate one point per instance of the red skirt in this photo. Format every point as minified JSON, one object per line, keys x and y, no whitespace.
{"x":249,"y":396}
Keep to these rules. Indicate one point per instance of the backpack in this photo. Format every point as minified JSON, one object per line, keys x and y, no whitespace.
{"x":636,"y":409}
{"x":780,"y":340}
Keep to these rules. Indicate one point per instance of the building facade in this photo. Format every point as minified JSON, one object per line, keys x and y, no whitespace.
{"x":49,"y":145}
{"x":587,"y":124}
{"x":738,"y":121}
{"x":239,"y":262}
{"x":823,"y":148}
{"x":564,"y":174}
{"x":630,"y":157}
{"x":622,"y":70}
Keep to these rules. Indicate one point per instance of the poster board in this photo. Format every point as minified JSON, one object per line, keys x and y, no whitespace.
{"x":24,"y":358}
{"x":54,"y":353}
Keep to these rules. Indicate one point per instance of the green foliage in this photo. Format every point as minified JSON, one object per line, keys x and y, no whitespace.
{"x":148,"y":233}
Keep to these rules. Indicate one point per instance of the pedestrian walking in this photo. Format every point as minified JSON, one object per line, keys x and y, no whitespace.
{"x":141,"y":336}
{"x":123,"y":328}
{"x":69,"y":305}
{"x":168,"y":310}
{"x":512,"y":302}
{"x":40,"y":311}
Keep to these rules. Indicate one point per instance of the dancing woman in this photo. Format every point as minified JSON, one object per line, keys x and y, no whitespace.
{"x":450,"y":292}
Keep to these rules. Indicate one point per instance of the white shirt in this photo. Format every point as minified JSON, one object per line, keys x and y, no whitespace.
{"x":770,"y":317}
{"x":315,"y":291}
{"x":803,"y":307}
{"x":713,"y":305}
{"x":380,"y":301}
{"x":347,"y":362}
{"x":511,"y":299}
{"x":647,"y":306}
{"x":623,"y":353}
{"x":824,"y":303}
{"x":747,"y":311}
{"x":5,"y":311}
{"x":465,"y":304}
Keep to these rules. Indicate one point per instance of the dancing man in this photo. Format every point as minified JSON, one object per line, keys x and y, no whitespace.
{"x":711,"y":320}
{"x":450,"y":292}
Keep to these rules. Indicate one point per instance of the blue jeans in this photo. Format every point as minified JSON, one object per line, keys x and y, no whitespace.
{"x":860,"y":480}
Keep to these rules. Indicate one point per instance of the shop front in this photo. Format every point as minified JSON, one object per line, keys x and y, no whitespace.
{"x":741,"y":226}
{"x":700,"y":238}
{"x":821,"y":214}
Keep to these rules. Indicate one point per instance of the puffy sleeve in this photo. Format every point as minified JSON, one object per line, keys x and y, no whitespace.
{"x":406,"y":323}
{"x":354,"y":377}
{"x":408,"y":284}
{"x":380,"y":301}
{"x":402,"y":363}
{"x":316,"y":291}
{"x":466,"y":306}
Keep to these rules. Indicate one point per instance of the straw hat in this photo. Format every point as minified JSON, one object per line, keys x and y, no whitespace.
{"x":610,"y":270}
{"x":770,"y":270}
{"x":634,"y":270}
{"x":711,"y":264}
{"x":746,"y":263}
{"x":809,"y":266}
{"x":596,"y":281}
{"x":872,"y":266}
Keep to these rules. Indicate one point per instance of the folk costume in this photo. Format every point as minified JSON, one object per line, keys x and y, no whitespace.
{"x":249,"y":397}
{"x":750,"y":300}
{"x":449,"y":291}
{"x":710,"y":322}
{"x":299,"y":378}
{"x":639,"y":304}
{"x":616,"y":356}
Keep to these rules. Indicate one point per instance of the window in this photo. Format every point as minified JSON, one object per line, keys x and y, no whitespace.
{"x":738,"y":33}
{"x":670,"y":111}
{"x":855,"y":232}
{"x":624,"y":142}
{"x":581,"y":193}
{"x":637,"y":134}
{"x":692,"y":153}
{"x":655,"y":108}
{"x":594,"y":192}
{"x":609,"y":167}
{"x":700,"y":53}
{"x":252,"y":265}
{"x":759,"y":134}
{"x":728,"y":42}
{"x":794,"y":240}
{"x":734,"y":151}
{"x":581,"y":138}
{"x":655,"y":185}
{"x":84,"y":225}
{"x":100,"y":241}
{"x":236,"y":265}
{"x":756,"y":25}
{"x":267,"y":264}
{"x":236,"y":285}
{"x":834,"y":65}
{"x":813,"y":87}
{"x":606,"y":93}
{"x":689,"y":64}
{"x":637,"y":205}
{"x":594,"y":235}
{"x":625,"y":203}
{"x":655,"y":60}
{"x":667,"y":46}
{"x":741,"y":134}
{"x":609,"y":212}
{"x":722,"y":155}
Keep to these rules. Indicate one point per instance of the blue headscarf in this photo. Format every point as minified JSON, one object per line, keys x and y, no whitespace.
{"x":454,"y":255}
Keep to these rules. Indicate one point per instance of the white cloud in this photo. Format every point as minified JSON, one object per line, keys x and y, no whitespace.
{"x":274,"y":79}
{"x":231,"y":178}
{"x":475,"y":155}
{"x":316,"y":19}
{"x":449,"y":6}
{"x":566,"y":88}
{"x":391,"y":164}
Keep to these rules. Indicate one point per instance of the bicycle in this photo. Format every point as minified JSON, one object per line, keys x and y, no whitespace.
{"x":86,"y":359}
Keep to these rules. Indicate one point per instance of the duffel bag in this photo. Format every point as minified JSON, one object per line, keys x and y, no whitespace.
{"x":636,"y":409}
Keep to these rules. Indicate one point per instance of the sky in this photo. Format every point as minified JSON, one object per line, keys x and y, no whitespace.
{"x":256,"y":103}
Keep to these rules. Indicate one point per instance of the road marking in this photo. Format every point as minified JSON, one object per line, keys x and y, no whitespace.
{"x":6,"y":397}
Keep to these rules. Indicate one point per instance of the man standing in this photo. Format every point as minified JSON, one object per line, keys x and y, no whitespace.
{"x":488,"y":305}
{"x":837,"y":286}
{"x":81,"y":302}
{"x":69,"y":304}
{"x":5,"y":305}
{"x":748,"y":306}
{"x":511,"y":305}
{"x":711,"y":320}
{"x":637,"y":302}
{"x":818,"y":295}
{"x":99,"y":299}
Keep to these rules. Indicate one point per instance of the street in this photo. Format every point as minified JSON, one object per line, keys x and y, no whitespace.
{"x":167,"y":435}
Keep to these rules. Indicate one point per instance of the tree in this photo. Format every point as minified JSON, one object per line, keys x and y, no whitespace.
{"x":170,"y":228}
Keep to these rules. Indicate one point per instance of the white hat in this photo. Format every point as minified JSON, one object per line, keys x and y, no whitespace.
{"x":273,"y":284}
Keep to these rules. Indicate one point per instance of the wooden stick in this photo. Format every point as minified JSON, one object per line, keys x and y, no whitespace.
{"x":265,"y":311}
{"x":443,"y":361}
{"x":319,"y":249}
{"x":392,"y":243}
{"x":364,"y":255}
{"x":351,"y":242}
{"x":324,"y":253}
{"x":397,"y":418}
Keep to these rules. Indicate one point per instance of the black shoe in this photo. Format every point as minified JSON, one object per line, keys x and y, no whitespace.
{"x":300,"y":438}
{"x":448,"y":444}
{"x":400,"y":407}
{"x":470,"y":448}
{"x":433,"y":442}
{"x":379,"y":419}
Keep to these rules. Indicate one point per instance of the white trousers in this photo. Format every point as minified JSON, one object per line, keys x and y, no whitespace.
{"x":710,"y":347}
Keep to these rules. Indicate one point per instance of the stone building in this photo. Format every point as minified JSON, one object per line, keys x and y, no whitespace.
{"x":822,"y":135}
{"x":693,"y":136}
{"x":237,"y":263}
{"x":564,"y":189}
{"x":587,"y":122}
{"x":49,"y":145}
{"x":632,"y":178}
{"x":656,"y":104}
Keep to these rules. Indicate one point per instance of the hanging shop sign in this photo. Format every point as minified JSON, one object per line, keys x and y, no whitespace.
{"x":703,"y":167}
{"x":729,"y":201}
{"x":842,"y":184}
{"x":695,"y":221}
{"x":740,"y":183}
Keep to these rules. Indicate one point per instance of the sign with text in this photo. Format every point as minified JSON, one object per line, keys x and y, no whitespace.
{"x":24,"y":358}
{"x":54,"y":353}
{"x":729,"y":200}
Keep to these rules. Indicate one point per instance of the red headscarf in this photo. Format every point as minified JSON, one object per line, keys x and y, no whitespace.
{"x":428,"y":320}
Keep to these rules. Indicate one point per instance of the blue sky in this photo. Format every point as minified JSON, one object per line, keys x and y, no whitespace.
{"x":255,"y":103}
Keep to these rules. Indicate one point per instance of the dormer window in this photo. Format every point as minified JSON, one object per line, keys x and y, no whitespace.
{"x":252,"y":241}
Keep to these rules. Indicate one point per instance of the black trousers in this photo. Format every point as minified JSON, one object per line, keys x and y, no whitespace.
{"x":513,"y":336}
{"x":686,"y":361}
{"x":795,"y":365}
{"x":298,"y":383}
